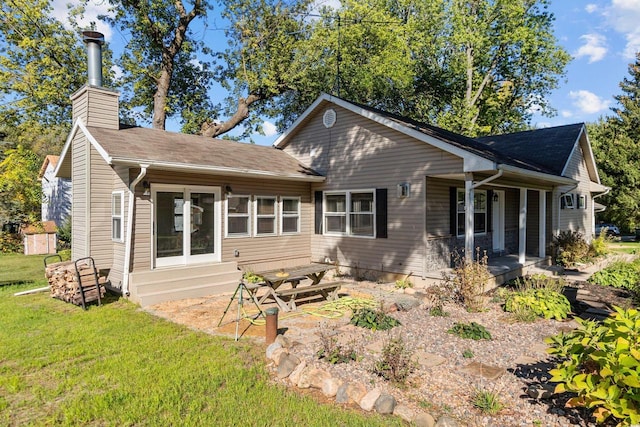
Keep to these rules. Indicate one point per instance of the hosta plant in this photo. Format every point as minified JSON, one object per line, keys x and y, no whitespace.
{"x":544,"y":303}
{"x":602,"y":366}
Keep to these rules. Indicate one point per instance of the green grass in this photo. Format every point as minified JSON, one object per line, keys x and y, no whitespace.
{"x":625,"y":247}
{"x":116,"y":365}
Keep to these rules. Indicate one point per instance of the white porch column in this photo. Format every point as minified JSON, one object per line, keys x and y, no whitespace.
{"x":542,"y":231}
{"x":468,"y":216}
{"x":522,"y":226}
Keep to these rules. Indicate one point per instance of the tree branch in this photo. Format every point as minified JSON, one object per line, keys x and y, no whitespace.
{"x":213,"y":130}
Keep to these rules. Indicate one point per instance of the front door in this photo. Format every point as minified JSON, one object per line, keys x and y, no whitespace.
{"x":186,"y":225}
{"x":498,"y":220}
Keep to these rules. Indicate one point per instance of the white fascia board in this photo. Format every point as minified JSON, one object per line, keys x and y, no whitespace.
{"x":589,"y":154}
{"x":103,"y":153}
{"x":561,"y":180}
{"x":217,"y":170}
{"x":65,"y":148}
{"x":472,"y":162}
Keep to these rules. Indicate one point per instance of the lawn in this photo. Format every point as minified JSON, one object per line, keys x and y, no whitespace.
{"x":628,"y":247}
{"x":118,"y":365}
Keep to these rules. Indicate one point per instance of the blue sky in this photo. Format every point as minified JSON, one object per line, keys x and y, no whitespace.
{"x":602,"y":36}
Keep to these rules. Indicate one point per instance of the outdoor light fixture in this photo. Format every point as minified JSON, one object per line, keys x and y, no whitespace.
{"x":495,"y":197}
{"x":228,"y":191}
{"x":147,"y":188}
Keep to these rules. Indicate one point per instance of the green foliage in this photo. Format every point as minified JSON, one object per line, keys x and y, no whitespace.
{"x":438,"y":311}
{"x":404,"y":283}
{"x":620,"y":274}
{"x":488,"y":402}
{"x":598,"y":246}
{"x":569,"y":248}
{"x":538,"y":295}
{"x":602,"y":365}
{"x":334,"y":353}
{"x":20,"y":191}
{"x":251,"y":277}
{"x":11,"y":243}
{"x":395,"y":363}
{"x":467,"y":354}
{"x":64,"y":234}
{"x":375,"y":320}
{"x":468,"y":281}
{"x":472,"y":330}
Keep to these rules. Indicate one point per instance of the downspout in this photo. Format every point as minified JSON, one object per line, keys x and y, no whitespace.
{"x":487,"y":180}
{"x":129,"y":238}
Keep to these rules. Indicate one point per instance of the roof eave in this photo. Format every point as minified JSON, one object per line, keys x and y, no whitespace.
{"x":560,"y":180}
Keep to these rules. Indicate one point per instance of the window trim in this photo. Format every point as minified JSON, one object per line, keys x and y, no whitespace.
{"x":257,"y":216}
{"x":120,"y":194}
{"x":567,"y":201}
{"x":348,"y":213}
{"x":475,"y":211}
{"x":236,"y":215}
{"x":284,"y":215}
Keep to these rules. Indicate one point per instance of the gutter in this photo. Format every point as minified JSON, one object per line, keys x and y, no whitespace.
{"x":129,"y":238}
{"x":487,"y":180}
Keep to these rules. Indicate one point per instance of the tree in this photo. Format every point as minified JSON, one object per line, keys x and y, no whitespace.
{"x":616,"y":147}
{"x":20,"y":191}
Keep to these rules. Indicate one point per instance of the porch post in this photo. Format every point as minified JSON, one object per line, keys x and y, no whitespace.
{"x":468,"y":217}
{"x":522,"y":226}
{"x":542,"y":233}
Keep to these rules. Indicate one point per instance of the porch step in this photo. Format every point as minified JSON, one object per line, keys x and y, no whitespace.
{"x":153,"y":287}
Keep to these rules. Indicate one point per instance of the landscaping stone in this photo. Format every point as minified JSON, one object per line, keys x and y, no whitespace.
{"x":313,"y":378}
{"x":356,"y":392}
{"x":541,"y":391}
{"x":330,"y":386}
{"x":283,"y":341}
{"x":287,"y":365}
{"x":405,"y":413}
{"x":481,"y":370}
{"x":277,"y":355}
{"x":294,"y":377}
{"x":385,"y":404}
{"x":342,"y":396}
{"x":369,"y":400}
{"x":446,"y":422}
{"x":271,"y":348}
{"x":428,"y":360}
{"x":424,"y":419}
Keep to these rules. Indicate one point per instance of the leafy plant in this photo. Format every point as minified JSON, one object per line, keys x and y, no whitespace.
{"x":538,"y":295}
{"x":598,"y":246}
{"x":569,"y":247}
{"x":619,"y":275}
{"x":467,"y":354}
{"x":64,"y":234}
{"x":469,"y":280}
{"x":523,"y":313}
{"x":10,"y":243}
{"x":404,"y":283}
{"x":488,"y":402}
{"x":472,"y":330}
{"x":395,"y":364}
{"x":602,"y":365}
{"x":251,"y":277}
{"x":438,"y":311}
{"x":334,"y":353}
{"x":373,"y":319}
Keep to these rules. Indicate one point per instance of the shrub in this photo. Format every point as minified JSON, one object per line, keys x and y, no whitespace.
{"x":373,"y":319}
{"x":334,"y":353}
{"x":395,"y":363}
{"x":488,"y":402}
{"x":10,"y":243}
{"x":404,"y":283}
{"x":539,"y":295}
{"x":64,"y":234}
{"x":471,"y":330}
{"x":569,"y":248}
{"x":602,"y":365}
{"x":619,"y":275}
{"x":598,"y":246}
{"x":469,"y":280}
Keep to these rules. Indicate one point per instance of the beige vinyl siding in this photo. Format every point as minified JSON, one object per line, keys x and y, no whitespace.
{"x":258,"y":252}
{"x":120,"y":177}
{"x":358,"y":154}
{"x":79,"y":189}
{"x":96,"y":107}
{"x":101,"y":187}
{"x":577,"y":219}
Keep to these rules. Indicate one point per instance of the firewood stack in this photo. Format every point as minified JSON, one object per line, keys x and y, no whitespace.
{"x":64,"y":285}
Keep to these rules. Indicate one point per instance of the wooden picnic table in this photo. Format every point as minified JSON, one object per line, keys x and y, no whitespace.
{"x":315,"y":272}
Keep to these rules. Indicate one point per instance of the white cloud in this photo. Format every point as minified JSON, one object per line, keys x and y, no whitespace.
{"x":590,"y":8}
{"x":588,"y":102}
{"x":269,"y":128}
{"x":566,"y":113}
{"x":624,"y":16}
{"x":93,"y":9}
{"x":594,"y":47}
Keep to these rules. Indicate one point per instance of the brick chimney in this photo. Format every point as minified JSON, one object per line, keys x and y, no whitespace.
{"x":93,"y":104}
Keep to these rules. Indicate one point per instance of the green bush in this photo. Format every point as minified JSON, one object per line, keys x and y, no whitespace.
{"x":598,"y":246}
{"x":10,"y":243}
{"x":569,"y":248}
{"x":602,"y":365}
{"x":395,"y":363}
{"x":472,"y":330}
{"x":334,"y":353}
{"x":64,"y":234}
{"x":373,"y":319}
{"x":619,"y":275}
{"x":537,"y":295}
{"x":469,"y":280}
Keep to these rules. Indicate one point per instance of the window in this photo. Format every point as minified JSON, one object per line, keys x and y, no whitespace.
{"x":582,"y":202}
{"x":351,"y":213}
{"x":290,"y":215}
{"x":479,"y":212}
{"x":566,"y":201}
{"x":117,"y":215}
{"x":265,"y":216}
{"x":238,"y":216}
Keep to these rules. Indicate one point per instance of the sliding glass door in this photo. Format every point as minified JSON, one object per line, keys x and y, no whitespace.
{"x":186,"y":224}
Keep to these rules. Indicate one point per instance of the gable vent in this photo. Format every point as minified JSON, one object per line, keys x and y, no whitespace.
{"x":329,"y":118}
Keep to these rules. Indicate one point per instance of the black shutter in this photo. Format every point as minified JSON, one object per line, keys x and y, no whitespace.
{"x":489,"y":210}
{"x":318,"y":212}
{"x":381,"y":213}
{"x":453,"y":210}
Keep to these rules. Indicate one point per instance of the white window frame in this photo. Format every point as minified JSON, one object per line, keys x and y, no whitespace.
{"x":568,"y":201}
{"x":258,"y":216}
{"x":117,"y":215}
{"x":284,"y":215}
{"x":476,"y":211}
{"x":236,"y":215}
{"x":347,"y":213}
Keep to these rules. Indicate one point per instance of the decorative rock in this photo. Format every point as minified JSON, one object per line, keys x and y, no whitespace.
{"x":446,"y":422}
{"x":271,"y":348}
{"x":428,"y":360}
{"x":277,"y":355}
{"x":423,"y":419}
{"x":342,"y":396}
{"x":330,"y":386}
{"x":405,"y":413}
{"x":369,"y":399}
{"x":294,"y":377}
{"x":312,"y":378}
{"x":541,"y":391}
{"x":356,"y":392}
{"x":482,"y":370}
{"x":385,"y":404}
{"x":287,"y":365}
{"x":283,"y":341}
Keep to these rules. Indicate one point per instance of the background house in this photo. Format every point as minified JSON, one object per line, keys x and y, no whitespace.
{"x":56,"y":192}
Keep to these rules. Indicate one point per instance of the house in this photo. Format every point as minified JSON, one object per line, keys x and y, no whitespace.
{"x":56,"y":192}
{"x":175,"y":216}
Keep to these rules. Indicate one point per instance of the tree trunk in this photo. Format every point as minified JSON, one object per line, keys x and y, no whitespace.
{"x":212,"y":129}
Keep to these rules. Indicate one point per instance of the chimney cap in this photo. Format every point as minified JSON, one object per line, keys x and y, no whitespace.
{"x":92,"y":36}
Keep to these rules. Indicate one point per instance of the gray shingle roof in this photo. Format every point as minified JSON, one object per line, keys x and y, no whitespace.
{"x":143,"y":145}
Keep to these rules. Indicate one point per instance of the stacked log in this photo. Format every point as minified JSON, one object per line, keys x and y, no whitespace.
{"x":64,"y":285}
